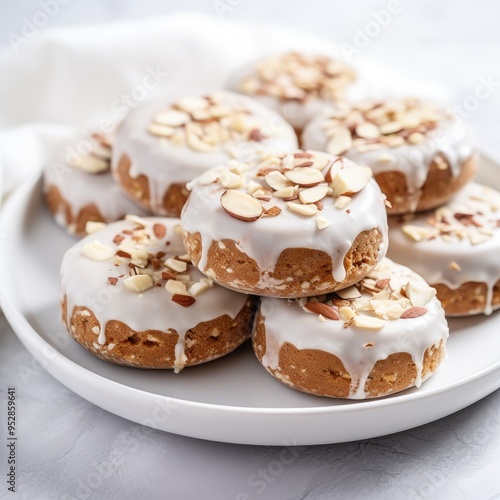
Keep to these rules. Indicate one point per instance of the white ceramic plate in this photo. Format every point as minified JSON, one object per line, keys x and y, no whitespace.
{"x":232,"y":399}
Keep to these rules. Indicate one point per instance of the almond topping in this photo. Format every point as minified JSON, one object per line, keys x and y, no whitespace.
{"x":183,"y":300}
{"x":307,"y":210}
{"x":367,"y":130}
{"x":313,"y":194}
{"x":322,"y":222}
{"x":139,"y":282}
{"x":323,"y":309}
{"x":241,"y":206}
{"x":305,"y":176}
{"x":351,"y":180}
{"x":98,"y":251}
{"x":349,"y":293}
{"x":413,"y":312}
{"x":276,"y":180}
{"x":171,"y":118}
{"x":271,"y":212}
{"x":92,"y":227}
{"x":160,"y":130}
{"x":159,"y":230}
{"x":340,"y":142}
{"x":176,"y":287}
{"x":176,"y":265}
{"x":368,"y":322}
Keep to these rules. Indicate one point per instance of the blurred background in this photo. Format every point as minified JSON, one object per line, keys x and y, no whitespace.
{"x":454,"y":43}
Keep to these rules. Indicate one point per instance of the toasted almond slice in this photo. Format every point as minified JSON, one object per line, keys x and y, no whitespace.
{"x":197,"y":144}
{"x":305,"y":176}
{"x":176,"y":287}
{"x":276,"y":180}
{"x":92,"y":227}
{"x":241,"y":206}
{"x":351,"y":180}
{"x":253,"y":187}
{"x":192,"y":103}
{"x":160,"y":130}
{"x":323,"y":309}
{"x":347,"y":313}
{"x":413,"y":312}
{"x":340,"y":142}
{"x":171,"y":118}
{"x":98,"y":251}
{"x":322,"y":222}
{"x":139,"y":282}
{"x":183,"y":300}
{"x":102,"y":151}
{"x":198,"y":288}
{"x":367,"y":130}
{"x":320,"y":160}
{"x":184,"y":258}
{"x":368,"y":322}
{"x":334,"y":169}
{"x":313,"y":194}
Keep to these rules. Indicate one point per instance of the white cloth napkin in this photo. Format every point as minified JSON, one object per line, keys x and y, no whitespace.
{"x":84,"y":79}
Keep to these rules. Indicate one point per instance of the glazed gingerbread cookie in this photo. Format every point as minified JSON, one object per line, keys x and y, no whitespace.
{"x":383,"y":335}
{"x":291,"y":225}
{"x":168,"y":141}
{"x":456,"y":248}
{"x":420,"y":154}
{"x":131,"y":296}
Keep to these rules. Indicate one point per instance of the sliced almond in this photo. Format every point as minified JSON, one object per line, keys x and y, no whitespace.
{"x":416,"y":138}
{"x":342,"y":201}
{"x":90,"y":164}
{"x":159,"y":230}
{"x":178,"y":266}
{"x":98,"y":251}
{"x":192,"y":103}
{"x":340,"y":142}
{"x":391,"y":127}
{"x":288,"y":192}
{"x":368,"y":322}
{"x":349,"y":293}
{"x":241,"y":206}
{"x":413,"y":312}
{"x":171,"y":118}
{"x":183,"y":300}
{"x":367,"y":130}
{"x":323,"y":309}
{"x":139,"y":282}
{"x":230,"y":180}
{"x":92,"y":227}
{"x":419,"y":295}
{"x":347,"y":313}
{"x":299,"y":208}
{"x":416,"y":233}
{"x":305,"y":176}
{"x":313,"y":194}
{"x":176,"y":287}
{"x":160,"y":130}
{"x":198,"y":288}
{"x":276,"y":180}
{"x":454,"y":266}
{"x":351,"y":180}
{"x":322,"y":222}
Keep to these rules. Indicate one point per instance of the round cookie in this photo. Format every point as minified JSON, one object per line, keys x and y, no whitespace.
{"x":456,"y":249}
{"x":82,"y":190}
{"x":383,"y":335}
{"x":420,"y":155}
{"x":131,"y":296}
{"x":291,"y":225}
{"x":168,"y":141}
{"x":297,"y":85}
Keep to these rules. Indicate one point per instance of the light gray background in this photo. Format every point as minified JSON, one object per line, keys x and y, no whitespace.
{"x":71,"y":449}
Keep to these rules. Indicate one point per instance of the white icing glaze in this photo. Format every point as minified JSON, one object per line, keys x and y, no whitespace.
{"x":452,"y":138}
{"x":285,"y":321}
{"x":84,"y":281}
{"x":431,"y":258}
{"x":265,"y":239}
{"x":165,"y":163}
{"x":80,"y":189}
{"x":298,"y":112}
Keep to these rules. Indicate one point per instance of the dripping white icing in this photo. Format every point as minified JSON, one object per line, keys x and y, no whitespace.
{"x":84,"y":282}
{"x":285,"y":321}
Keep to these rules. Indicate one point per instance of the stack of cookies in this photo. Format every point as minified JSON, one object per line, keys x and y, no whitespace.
{"x":284,"y":245}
